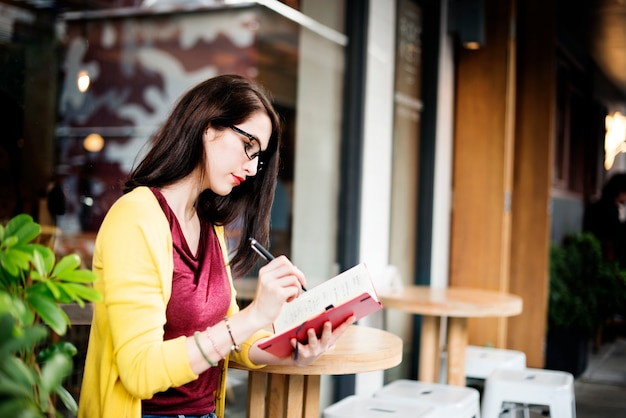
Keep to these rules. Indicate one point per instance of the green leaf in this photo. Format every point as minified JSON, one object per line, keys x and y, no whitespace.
{"x":42,"y":258}
{"x":78,"y":276}
{"x":16,"y":308}
{"x":83,"y":292}
{"x":23,"y":227}
{"x":46,"y":287}
{"x":55,"y":370}
{"x":7,"y":302}
{"x":63,"y":347}
{"x":49,"y":312}
{"x":67,"y":264}
{"x":38,"y":290}
{"x":18,"y":372}
{"x":15,"y":260}
{"x":17,"y":222}
{"x":8,"y":282}
{"x":67,"y":399}
{"x":24,"y":340}
{"x":38,"y":263}
{"x":49,"y":260}
{"x":10,"y":241}
{"x":43,"y":398}
{"x":9,"y":389}
{"x":7,"y":322}
{"x":54,"y":289}
{"x":67,"y":348}
{"x":66,"y":296}
{"x":19,"y":408}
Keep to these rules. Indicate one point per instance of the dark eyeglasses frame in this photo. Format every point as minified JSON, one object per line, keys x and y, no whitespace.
{"x":251,"y":138}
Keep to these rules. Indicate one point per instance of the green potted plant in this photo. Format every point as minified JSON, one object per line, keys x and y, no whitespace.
{"x":585,"y":290}
{"x":33,"y":288}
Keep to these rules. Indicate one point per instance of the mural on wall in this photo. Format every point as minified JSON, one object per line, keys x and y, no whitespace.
{"x":137,"y":68}
{"x":121,"y":75}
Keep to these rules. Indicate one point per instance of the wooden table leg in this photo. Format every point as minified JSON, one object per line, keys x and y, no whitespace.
{"x":277,"y":399}
{"x":311,"y":396}
{"x":429,"y":361}
{"x":457,"y":342}
{"x":295,"y":399}
{"x":256,"y":394}
{"x":273,"y":395}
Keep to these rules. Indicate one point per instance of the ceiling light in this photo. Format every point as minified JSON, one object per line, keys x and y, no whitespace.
{"x":82,"y":81}
{"x":614,"y":139}
{"x":93,"y":142}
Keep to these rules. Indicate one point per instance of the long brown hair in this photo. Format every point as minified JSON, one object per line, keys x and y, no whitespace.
{"x":177,"y":149}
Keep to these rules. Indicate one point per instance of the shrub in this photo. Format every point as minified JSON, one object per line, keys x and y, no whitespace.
{"x":585,"y":290}
{"x":33,"y":286}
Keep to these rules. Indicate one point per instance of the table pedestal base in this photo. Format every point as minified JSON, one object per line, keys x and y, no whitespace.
{"x":283,"y":396}
{"x":456,"y":304}
{"x":457,"y":342}
{"x":430,"y":356}
{"x":291,"y":391}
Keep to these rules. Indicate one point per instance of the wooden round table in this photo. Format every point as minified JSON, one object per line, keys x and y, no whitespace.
{"x":457,"y":304}
{"x":290,"y":391}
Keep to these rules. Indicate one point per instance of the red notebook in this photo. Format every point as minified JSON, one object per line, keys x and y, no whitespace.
{"x":349,"y":293}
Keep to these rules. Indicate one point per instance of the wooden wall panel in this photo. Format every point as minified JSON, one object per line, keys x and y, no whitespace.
{"x":536,"y":90}
{"x":504,"y":130}
{"x":482,"y":167}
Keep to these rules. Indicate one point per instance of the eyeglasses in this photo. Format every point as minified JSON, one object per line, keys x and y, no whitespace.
{"x":252,"y":147}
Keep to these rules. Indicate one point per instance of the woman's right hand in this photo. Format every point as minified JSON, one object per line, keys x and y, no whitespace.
{"x":279,"y":281}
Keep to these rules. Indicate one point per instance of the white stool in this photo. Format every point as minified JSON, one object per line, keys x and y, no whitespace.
{"x":480,"y":362}
{"x":367,"y":407}
{"x":447,"y":401}
{"x":532,"y":388}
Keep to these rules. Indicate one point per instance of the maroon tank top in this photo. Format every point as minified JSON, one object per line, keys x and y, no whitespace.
{"x":200,"y":298}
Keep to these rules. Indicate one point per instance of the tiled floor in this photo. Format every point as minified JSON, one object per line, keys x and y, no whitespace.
{"x":600,"y":391}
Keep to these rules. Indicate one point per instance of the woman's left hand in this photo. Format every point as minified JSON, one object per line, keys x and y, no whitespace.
{"x":305,"y":354}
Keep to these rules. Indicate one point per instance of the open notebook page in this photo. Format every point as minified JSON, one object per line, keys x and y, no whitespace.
{"x":341,"y":288}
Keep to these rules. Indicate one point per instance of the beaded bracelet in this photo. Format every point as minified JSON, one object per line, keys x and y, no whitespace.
{"x":208,"y":360}
{"x":235,"y":346}
{"x":217,"y":350}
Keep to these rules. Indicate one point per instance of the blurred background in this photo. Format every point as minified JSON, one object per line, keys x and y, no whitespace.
{"x":456,"y":141}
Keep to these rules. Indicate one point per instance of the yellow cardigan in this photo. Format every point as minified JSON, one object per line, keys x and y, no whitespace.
{"x":127,"y":359}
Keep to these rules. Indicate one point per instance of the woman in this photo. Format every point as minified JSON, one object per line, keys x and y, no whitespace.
{"x":168,"y":323}
{"x":606,"y":219}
